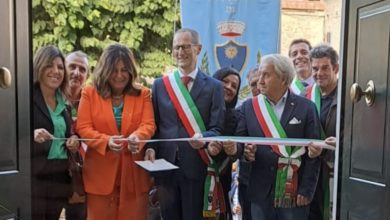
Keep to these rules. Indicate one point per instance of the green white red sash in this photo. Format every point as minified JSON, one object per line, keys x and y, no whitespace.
{"x":286,"y":183}
{"x":183,"y":103}
{"x":314,"y":94}
{"x":193,"y":123}
{"x":296,"y":86}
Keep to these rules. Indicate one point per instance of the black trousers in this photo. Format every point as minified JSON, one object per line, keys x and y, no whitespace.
{"x":180,"y":197}
{"x":50,"y":190}
{"x":76,"y":211}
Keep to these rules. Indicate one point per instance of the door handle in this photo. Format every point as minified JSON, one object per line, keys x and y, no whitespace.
{"x":5,"y":78}
{"x":369,"y":94}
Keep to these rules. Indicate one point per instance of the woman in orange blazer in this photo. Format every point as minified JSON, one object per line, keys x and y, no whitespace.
{"x":115,"y":112}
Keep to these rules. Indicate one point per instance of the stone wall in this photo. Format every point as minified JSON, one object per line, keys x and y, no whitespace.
{"x":301,"y":24}
{"x":316,"y":21}
{"x":333,"y":19}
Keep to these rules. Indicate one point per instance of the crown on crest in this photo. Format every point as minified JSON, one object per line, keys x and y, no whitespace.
{"x":231,"y":28}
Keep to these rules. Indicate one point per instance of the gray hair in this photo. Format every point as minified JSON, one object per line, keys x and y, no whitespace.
{"x":283,"y":66}
{"x":79,"y":54}
{"x":194,"y":34}
{"x":324,"y":50}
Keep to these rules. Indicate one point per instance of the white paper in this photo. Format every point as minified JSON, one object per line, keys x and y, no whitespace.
{"x":157,"y":165}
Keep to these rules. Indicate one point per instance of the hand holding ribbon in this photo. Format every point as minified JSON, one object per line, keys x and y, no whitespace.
{"x":230,"y":147}
{"x":331,"y":141}
{"x":73,"y":144}
{"x":133,"y":144}
{"x":41,"y":135}
{"x":114,"y":144}
{"x":314,"y":151}
{"x":250,"y":152}
{"x":196,"y":144}
{"x":214,"y":148}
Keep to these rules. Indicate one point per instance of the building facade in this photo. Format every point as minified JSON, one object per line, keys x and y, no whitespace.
{"x":318,"y":21}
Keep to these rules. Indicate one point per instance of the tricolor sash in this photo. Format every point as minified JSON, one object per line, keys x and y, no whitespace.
{"x":286,"y":183}
{"x":183,"y":103}
{"x":193,"y":123}
{"x":314,"y":94}
{"x":296,"y":86}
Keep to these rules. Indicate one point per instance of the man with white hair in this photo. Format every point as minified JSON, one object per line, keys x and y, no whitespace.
{"x":283,"y":178}
{"x":77,"y":67}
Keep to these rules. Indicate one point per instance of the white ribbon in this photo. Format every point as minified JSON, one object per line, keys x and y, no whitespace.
{"x":238,"y":139}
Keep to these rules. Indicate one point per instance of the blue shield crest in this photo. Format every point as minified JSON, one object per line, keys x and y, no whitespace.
{"x":231,"y":54}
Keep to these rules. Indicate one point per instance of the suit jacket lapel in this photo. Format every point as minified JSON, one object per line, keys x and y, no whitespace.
{"x":288,"y":109}
{"x":198,"y":85}
{"x":107,"y":110}
{"x":128,"y":109}
{"x":40,"y":102}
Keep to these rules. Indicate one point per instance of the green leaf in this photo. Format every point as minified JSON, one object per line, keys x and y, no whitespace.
{"x":146,"y":26}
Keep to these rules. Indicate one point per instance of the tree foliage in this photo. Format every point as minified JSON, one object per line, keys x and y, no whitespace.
{"x":145,"y":26}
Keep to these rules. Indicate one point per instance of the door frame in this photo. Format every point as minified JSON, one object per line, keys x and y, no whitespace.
{"x":16,"y":195}
{"x":340,"y":100}
{"x":343,"y":90}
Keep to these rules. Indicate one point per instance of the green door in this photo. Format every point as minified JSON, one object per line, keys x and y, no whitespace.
{"x":366,"y":148}
{"x":15,"y":134}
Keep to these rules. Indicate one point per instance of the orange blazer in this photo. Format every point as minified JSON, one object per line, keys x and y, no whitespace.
{"x":95,"y":119}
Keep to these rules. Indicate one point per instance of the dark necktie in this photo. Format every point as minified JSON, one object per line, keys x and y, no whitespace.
{"x":305,"y":84}
{"x":186,"y":80}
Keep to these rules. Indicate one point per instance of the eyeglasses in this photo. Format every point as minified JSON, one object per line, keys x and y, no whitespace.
{"x":185,"y":47}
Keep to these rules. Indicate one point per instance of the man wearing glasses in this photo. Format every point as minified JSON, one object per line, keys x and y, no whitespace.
{"x":187,"y":103}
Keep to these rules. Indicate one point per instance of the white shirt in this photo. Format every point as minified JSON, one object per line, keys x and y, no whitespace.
{"x":279,"y":106}
{"x":193,"y":77}
{"x":309,"y":81}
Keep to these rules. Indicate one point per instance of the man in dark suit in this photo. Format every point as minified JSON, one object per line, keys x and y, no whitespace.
{"x":283,"y":178}
{"x":325,"y":69}
{"x":185,"y":109}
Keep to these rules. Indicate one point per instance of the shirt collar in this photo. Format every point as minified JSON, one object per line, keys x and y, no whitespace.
{"x":281,"y":100}
{"x":60,"y":104}
{"x":192,"y":74}
{"x":309,"y":81}
{"x":331,"y":94}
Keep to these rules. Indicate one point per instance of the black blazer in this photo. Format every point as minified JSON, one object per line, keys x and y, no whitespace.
{"x":40,"y":164}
